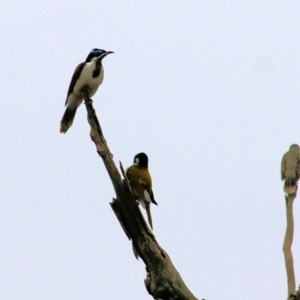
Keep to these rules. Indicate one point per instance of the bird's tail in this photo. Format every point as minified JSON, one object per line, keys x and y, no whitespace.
{"x":149,"y":215}
{"x":290,"y":182}
{"x":67,"y":119}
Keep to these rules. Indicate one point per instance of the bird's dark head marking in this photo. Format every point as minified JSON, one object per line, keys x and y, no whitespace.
{"x":96,"y":54}
{"x":141,"y":159}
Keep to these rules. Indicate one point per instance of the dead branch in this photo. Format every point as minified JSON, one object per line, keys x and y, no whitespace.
{"x":162,"y":281}
{"x":287,"y":248}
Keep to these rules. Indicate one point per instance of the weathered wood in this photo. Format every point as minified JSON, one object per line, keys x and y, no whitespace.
{"x":287,"y":248}
{"x":162,"y":281}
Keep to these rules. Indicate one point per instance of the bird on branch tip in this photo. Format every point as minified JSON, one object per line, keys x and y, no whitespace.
{"x":89,"y":73}
{"x":290,"y":169}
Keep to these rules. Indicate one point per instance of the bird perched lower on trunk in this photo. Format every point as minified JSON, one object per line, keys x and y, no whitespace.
{"x":290,"y":169}
{"x":141,"y":183}
{"x":89,"y":73}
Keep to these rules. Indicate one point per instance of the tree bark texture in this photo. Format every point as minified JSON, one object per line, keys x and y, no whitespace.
{"x":162,"y":281}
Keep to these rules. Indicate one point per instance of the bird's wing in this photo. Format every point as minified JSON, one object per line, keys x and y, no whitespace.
{"x":75,"y":77}
{"x":291,"y":167}
{"x":283,"y":167}
{"x":298,"y":168}
{"x":146,"y":182}
{"x":133,"y":175}
{"x":140,"y":180}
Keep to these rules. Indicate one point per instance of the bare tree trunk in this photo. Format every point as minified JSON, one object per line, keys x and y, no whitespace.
{"x":163,"y":281}
{"x":287,"y":249}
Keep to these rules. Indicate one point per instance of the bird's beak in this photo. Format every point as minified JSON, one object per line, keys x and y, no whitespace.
{"x":108,"y":52}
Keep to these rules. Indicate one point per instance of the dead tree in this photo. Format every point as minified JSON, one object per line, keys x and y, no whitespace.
{"x":162,"y":281}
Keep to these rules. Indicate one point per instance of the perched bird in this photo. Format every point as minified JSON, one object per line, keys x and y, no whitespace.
{"x":290,"y":169}
{"x":89,"y":73}
{"x":141,"y":183}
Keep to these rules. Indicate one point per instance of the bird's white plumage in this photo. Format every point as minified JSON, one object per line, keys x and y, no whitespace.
{"x":147,"y":196}
{"x":86,"y":78}
{"x":145,"y":199}
{"x":143,"y":203}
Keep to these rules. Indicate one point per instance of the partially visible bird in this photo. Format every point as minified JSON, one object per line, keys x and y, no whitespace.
{"x":89,"y":73}
{"x":141,"y":183}
{"x":290,"y":169}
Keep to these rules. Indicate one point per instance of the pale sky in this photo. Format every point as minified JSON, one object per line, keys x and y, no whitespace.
{"x":208,"y":89}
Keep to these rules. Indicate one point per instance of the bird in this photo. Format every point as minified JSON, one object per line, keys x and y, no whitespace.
{"x":141,"y":182}
{"x":290,"y":169}
{"x":89,"y":73}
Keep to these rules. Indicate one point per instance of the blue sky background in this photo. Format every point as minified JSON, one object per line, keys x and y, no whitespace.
{"x":208,"y":89}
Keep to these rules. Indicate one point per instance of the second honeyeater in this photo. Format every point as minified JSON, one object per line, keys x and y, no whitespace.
{"x":141,"y":182}
{"x":89,"y":73}
{"x":290,"y":169}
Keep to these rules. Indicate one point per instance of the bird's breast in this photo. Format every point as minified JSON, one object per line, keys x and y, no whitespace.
{"x":86,"y":78}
